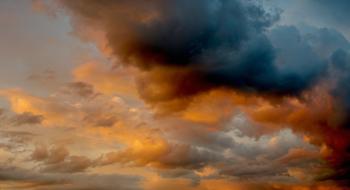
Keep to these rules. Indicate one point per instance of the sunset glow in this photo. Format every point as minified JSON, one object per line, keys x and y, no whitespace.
{"x":174,"y":95}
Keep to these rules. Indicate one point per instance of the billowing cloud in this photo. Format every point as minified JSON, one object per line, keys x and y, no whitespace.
{"x":208,"y":45}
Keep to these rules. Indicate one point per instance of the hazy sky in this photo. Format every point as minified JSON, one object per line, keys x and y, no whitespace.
{"x":174,"y":94}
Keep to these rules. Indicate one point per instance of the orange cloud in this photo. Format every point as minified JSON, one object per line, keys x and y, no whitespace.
{"x":53,"y":112}
{"x":158,"y":183}
{"x":106,"y":79}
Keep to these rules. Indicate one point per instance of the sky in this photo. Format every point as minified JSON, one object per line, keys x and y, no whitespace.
{"x":174,"y":94}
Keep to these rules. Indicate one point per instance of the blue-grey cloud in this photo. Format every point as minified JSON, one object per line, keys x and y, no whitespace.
{"x":219,"y":43}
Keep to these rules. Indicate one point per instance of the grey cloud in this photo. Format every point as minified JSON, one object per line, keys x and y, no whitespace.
{"x":71,"y":165}
{"x":58,"y":160}
{"x":16,"y":141}
{"x":80,"y":89}
{"x":26,"y":119}
{"x":336,"y":11}
{"x":32,"y":180}
{"x":177,"y":156}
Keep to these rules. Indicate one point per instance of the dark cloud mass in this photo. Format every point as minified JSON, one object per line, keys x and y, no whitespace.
{"x":213,"y":44}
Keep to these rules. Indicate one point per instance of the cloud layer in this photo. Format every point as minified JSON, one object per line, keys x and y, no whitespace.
{"x":197,"y":95}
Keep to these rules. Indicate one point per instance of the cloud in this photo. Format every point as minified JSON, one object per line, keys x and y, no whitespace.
{"x":58,"y":160}
{"x":28,"y":179}
{"x":106,"y":79}
{"x":75,"y":103}
{"x":328,"y":9}
{"x":207,"y":49}
{"x":160,"y":154}
{"x":40,"y":153}
{"x":157,"y":183}
{"x":317,"y":13}
{"x":51,"y":111}
{"x":14,"y":141}
{"x":223,"y":81}
{"x":72,"y":165}
{"x":26,"y":118}
{"x":297,"y":154}
{"x":81,"y":89}
{"x":324,"y":41}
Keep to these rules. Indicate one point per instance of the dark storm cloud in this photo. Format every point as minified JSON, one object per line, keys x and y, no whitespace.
{"x":213,"y":43}
{"x":341,"y":92}
{"x":334,"y":48}
{"x":283,"y":63}
{"x":340,"y":59}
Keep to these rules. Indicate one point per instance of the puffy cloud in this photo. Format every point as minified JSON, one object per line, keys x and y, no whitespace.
{"x":58,"y":160}
{"x":207,"y":50}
